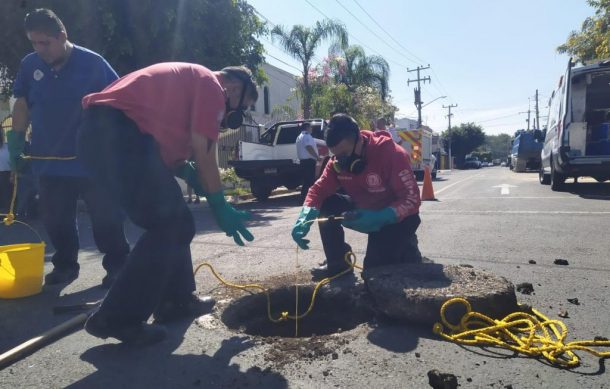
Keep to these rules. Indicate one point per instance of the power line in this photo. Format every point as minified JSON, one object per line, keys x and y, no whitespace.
{"x":388,"y":34}
{"x":358,"y":40}
{"x":285,"y":63}
{"x":374,"y":33}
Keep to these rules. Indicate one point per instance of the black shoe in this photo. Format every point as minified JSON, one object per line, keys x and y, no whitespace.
{"x":60,"y":276}
{"x":109,"y":279}
{"x":321,"y":272}
{"x":141,"y":334}
{"x":194,"y":306}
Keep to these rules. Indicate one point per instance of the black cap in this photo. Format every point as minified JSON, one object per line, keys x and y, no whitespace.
{"x":341,"y":126}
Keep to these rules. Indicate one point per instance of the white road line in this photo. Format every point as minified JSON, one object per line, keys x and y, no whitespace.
{"x":517,"y":212}
{"x":455,"y":183}
{"x":513,"y":198}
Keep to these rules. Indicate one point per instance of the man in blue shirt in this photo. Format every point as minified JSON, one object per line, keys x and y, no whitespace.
{"x":49,"y":87}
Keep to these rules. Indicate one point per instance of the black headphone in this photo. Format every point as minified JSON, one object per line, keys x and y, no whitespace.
{"x":234,"y":118}
{"x":357,"y":165}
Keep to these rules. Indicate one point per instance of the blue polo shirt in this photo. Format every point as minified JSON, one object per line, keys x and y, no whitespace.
{"x":54,"y":103}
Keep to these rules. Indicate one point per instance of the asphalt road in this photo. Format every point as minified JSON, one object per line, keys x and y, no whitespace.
{"x":491,"y":218}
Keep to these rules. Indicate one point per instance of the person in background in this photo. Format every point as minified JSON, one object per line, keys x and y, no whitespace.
{"x":49,"y":87}
{"x":6,"y":186}
{"x":307,"y":152}
{"x":381,"y":199}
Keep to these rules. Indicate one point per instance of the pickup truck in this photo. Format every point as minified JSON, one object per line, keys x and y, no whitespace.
{"x":272,"y":161}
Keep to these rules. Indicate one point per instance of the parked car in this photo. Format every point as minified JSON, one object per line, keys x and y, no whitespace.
{"x":577,"y":139}
{"x":472,"y":163}
{"x":273,"y":161}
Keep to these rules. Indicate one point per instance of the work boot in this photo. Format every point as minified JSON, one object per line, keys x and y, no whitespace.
{"x":193,"y":306}
{"x":140,"y":334}
{"x":109,"y":279}
{"x":321,"y":272}
{"x":61,"y":275}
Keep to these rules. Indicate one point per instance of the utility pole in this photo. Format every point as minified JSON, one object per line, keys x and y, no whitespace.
{"x":418,"y":102}
{"x":537,"y":112}
{"x":449,"y":114}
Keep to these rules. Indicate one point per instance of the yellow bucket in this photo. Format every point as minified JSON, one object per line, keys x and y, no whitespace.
{"x":21,"y":269}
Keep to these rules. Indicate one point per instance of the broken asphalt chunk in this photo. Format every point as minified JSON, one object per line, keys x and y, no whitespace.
{"x":525,"y":288}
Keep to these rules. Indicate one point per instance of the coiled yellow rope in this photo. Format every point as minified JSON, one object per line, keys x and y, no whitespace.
{"x":534,"y":334}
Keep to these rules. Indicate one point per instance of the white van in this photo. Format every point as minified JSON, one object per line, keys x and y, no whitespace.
{"x":577,"y":140}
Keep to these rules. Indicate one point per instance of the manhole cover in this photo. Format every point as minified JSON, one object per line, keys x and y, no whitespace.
{"x":337,"y":308}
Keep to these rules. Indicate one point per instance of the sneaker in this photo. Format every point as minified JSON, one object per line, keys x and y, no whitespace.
{"x":60,"y":276}
{"x":194,"y":306}
{"x":141,"y":334}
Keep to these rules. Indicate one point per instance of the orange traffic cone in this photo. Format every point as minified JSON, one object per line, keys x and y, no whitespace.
{"x":427,"y":193}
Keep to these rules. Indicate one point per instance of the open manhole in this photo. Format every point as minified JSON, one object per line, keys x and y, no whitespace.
{"x":336,"y":309}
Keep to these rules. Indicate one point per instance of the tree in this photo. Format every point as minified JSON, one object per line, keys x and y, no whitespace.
{"x":464,"y":139}
{"x":132,"y":34}
{"x":592,"y":41}
{"x":498,"y":145}
{"x":301,"y":43}
{"x":355,"y":69}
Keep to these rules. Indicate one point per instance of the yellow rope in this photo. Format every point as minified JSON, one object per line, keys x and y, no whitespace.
{"x":350,"y":258}
{"x":533,"y":335}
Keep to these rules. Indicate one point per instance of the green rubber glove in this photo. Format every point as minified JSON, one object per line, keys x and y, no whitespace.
{"x":366,"y":220}
{"x":302,"y":226}
{"x":16,"y":142}
{"x":188,"y":172}
{"x":229,"y":219}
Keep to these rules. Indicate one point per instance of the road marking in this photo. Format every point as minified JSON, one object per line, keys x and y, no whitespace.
{"x":455,"y":183}
{"x":449,"y":211}
{"x":512,"y":198}
{"x":504,"y":188}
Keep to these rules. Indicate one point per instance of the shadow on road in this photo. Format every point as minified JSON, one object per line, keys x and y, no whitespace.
{"x":589,"y":190}
{"x":157,"y":367}
{"x":25,"y":318}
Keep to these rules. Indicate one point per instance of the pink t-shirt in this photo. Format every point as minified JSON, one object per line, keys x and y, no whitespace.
{"x":169,"y":101}
{"x":387,"y":180}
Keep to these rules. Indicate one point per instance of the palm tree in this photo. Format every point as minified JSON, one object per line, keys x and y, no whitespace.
{"x":301,"y":43}
{"x":362,"y":70}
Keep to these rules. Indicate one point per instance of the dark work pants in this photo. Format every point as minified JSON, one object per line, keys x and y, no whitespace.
{"x":308,"y":167}
{"x":58,"y":205}
{"x":128,"y":163}
{"x":6,"y":190}
{"x":393,"y":244}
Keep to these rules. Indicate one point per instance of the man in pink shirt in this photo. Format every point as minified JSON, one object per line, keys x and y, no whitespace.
{"x":381,"y":198}
{"x":136,"y":135}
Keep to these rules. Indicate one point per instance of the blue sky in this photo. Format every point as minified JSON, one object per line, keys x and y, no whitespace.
{"x":487,"y":56}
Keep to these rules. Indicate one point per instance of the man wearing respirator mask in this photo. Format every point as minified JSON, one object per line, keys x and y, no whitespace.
{"x":381,"y":198}
{"x":136,"y":135}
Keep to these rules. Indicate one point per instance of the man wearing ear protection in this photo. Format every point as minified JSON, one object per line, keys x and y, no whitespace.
{"x":381,"y":198}
{"x":136,"y":135}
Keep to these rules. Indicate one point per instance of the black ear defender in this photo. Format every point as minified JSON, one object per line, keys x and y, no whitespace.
{"x":234,"y":118}
{"x":352,"y":164}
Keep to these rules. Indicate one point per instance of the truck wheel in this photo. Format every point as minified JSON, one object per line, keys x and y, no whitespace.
{"x":260,"y":190}
{"x":520,"y":166}
{"x":557,"y":179}
{"x":545,"y":179}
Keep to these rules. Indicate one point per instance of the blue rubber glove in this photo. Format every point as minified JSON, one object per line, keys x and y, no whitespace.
{"x":302,"y":226}
{"x":15,"y":141}
{"x":366,"y":220}
{"x":229,"y":219}
{"x":188,"y":172}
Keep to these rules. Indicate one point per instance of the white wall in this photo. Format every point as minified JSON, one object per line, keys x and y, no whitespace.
{"x":280,"y":86}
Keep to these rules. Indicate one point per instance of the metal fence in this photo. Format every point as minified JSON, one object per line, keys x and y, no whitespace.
{"x":228,"y":141}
